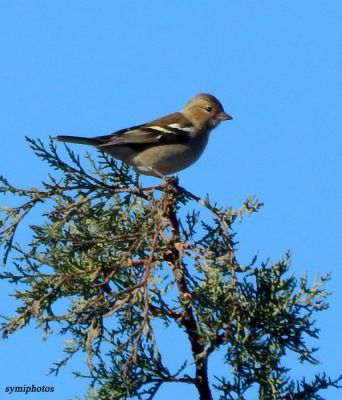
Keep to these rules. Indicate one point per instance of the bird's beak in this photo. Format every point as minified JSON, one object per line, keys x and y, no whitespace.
{"x":224,"y":116}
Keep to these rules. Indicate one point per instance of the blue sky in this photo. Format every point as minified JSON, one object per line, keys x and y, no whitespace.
{"x":89,"y":68}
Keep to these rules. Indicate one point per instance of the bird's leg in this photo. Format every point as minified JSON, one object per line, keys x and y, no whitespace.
{"x":157,"y":173}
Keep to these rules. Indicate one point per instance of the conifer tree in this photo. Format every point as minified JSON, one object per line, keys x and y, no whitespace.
{"x":118,"y":257}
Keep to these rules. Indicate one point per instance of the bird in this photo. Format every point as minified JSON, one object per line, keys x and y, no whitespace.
{"x":165,"y":145}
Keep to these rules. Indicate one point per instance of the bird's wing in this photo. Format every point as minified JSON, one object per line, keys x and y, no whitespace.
{"x":160,"y":131}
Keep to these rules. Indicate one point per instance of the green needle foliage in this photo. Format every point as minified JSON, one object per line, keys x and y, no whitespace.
{"x":109,"y":258}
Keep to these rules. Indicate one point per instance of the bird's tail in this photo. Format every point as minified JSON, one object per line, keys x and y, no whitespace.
{"x":77,"y":139}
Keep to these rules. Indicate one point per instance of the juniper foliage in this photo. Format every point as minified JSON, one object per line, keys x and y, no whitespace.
{"x":109,"y":258}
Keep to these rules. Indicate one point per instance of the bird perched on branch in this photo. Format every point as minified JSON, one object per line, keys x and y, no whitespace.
{"x":165,"y":145}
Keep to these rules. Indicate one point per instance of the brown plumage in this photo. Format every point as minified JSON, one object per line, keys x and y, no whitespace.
{"x":165,"y":145}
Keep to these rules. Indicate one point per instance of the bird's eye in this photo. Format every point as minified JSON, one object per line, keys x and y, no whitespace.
{"x":209,"y":109}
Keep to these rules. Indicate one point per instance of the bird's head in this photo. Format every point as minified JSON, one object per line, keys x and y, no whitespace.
{"x":204,"y":110}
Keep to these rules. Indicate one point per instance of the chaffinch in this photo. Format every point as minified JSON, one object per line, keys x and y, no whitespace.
{"x":165,"y":145}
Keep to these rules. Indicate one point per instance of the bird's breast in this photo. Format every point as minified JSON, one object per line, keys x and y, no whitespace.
{"x":169,"y":158}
